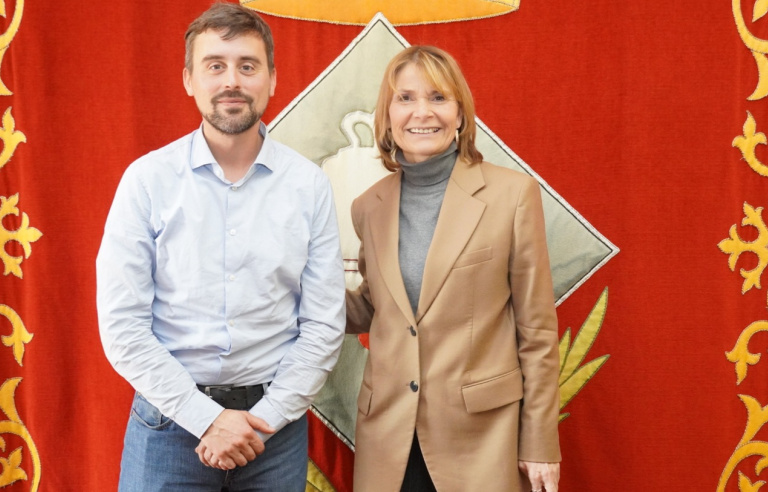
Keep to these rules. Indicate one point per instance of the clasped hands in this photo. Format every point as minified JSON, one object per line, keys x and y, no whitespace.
{"x":231,"y":440}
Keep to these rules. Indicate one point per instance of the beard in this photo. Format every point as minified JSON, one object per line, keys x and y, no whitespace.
{"x":233,"y":121}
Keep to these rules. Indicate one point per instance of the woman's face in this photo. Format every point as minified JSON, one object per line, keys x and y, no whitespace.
{"x":423,"y":120}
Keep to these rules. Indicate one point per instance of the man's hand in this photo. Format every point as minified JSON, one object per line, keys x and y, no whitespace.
{"x":543,"y":476}
{"x":231,"y":441}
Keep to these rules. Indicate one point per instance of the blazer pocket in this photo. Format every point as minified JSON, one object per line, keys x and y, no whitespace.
{"x":494,"y":392}
{"x":364,"y":399}
{"x":473,"y":257}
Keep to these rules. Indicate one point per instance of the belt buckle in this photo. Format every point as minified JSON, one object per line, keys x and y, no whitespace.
{"x":220,"y":387}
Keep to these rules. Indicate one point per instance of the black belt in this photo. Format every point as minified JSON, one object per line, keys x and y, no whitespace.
{"x":235,"y":397}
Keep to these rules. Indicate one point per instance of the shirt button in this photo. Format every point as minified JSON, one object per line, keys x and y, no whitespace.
{"x":231,"y":323}
{"x":412,"y":330}
{"x":414,"y":386}
{"x":231,"y":277}
{"x":232,"y":232}
{"x":234,"y":188}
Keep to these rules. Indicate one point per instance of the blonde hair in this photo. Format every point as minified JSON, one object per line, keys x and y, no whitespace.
{"x":442,"y":71}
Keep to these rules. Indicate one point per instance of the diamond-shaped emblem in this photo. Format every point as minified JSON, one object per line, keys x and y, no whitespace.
{"x":331,"y":123}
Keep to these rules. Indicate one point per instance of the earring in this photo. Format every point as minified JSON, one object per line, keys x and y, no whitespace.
{"x":457,"y":136}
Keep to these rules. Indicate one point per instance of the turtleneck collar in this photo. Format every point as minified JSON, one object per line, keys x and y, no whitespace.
{"x":432,"y":171}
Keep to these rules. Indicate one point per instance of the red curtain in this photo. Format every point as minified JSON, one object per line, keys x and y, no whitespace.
{"x":629,"y":110}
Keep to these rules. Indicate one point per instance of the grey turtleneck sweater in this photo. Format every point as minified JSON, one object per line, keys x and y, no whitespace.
{"x":421,"y":196}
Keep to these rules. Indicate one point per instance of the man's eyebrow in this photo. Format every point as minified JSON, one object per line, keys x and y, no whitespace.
{"x":256,"y":60}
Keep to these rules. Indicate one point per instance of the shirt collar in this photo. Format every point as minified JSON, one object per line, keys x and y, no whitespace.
{"x":201,"y":154}
{"x":265,"y":157}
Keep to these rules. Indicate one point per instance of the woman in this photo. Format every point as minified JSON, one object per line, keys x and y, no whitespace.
{"x":461,"y":379}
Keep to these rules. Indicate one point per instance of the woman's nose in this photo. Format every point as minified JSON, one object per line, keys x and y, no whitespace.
{"x":422,"y":107}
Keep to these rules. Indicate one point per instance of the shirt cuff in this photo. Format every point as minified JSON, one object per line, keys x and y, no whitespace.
{"x":265,"y":411}
{"x":198,"y":413}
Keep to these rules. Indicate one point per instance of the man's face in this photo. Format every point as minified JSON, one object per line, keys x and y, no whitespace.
{"x":230,"y":81}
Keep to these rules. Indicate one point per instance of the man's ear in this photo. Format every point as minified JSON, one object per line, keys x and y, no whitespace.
{"x":272,"y":82}
{"x":187,"y":76}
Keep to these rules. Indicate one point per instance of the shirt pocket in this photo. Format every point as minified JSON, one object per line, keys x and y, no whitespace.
{"x":493,"y":392}
{"x":474,"y":257}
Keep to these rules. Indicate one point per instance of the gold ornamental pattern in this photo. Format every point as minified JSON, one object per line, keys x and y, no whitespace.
{"x":758,"y":46}
{"x":399,"y":12}
{"x":10,"y":467}
{"x":13,"y":467}
{"x":573,"y":375}
{"x":735,"y":246}
{"x":748,"y":142}
{"x":8,"y":35}
{"x":24,"y":235}
{"x":19,"y":335}
{"x":8,"y":134}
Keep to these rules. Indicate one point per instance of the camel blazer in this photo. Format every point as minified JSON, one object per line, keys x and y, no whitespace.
{"x":474,"y":371}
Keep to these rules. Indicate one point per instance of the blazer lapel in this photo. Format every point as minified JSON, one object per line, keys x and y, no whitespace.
{"x":459,"y":216}
{"x":384,"y":226}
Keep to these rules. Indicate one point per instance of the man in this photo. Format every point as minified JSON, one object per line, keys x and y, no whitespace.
{"x":220,"y":283}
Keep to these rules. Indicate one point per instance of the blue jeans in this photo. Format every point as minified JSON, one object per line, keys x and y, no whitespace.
{"x":159,"y":455}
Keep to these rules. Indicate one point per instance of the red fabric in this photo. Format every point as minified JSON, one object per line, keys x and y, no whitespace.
{"x":627,"y":109}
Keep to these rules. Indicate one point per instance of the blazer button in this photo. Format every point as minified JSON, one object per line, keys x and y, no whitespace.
{"x":412,"y":330}
{"x":414,"y":386}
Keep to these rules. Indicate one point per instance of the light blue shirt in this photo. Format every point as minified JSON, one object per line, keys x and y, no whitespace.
{"x":204,"y":281}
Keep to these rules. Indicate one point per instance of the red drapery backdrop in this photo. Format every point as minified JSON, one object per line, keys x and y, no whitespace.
{"x":629,"y":110}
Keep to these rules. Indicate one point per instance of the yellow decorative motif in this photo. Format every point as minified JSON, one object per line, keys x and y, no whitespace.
{"x":757,"y":416}
{"x":10,"y":468}
{"x":398,"y":12}
{"x":735,"y":246}
{"x":572,"y":377}
{"x":740,"y":355}
{"x":761,"y":7}
{"x":8,"y":134}
{"x":24,"y":235}
{"x":749,"y":141}
{"x":18,"y":337}
{"x":316,"y":481}
{"x":746,"y":485}
{"x":758,"y":46}
{"x":8,"y":35}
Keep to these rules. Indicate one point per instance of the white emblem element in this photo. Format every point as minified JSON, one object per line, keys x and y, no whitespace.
{"x":352,"y":170}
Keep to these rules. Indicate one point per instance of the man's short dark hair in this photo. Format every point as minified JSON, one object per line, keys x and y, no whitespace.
{"x":230,"y":20}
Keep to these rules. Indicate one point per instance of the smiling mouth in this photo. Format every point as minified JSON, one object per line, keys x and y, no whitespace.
{"x":423,"y":131}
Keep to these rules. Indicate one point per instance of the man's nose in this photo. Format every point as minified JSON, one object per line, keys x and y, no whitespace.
{"x":233,"y":78}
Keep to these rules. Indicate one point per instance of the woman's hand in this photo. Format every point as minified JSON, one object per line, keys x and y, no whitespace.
{"x":543,"y":476}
